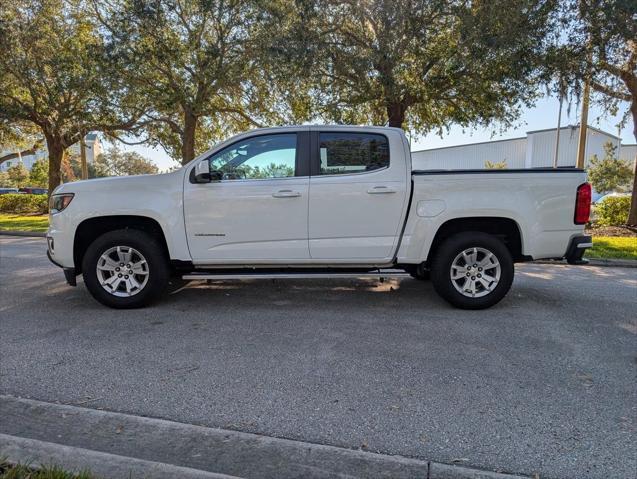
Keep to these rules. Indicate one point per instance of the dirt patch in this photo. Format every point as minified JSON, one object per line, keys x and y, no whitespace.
{"x":621,"y":231}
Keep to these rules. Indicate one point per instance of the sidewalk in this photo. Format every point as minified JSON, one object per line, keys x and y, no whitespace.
{"x":115,"y":445}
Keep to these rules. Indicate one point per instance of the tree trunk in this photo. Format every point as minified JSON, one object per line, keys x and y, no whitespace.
{"x":396,"y":114}
{"x":188,"y":138}
{"x":632,"y":216}
{"x":56,"y":153}
{"x":83,"y":158}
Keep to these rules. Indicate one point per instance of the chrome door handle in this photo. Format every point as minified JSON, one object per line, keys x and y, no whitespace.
{"x":286,"y":194}
{"x":381,"y":190}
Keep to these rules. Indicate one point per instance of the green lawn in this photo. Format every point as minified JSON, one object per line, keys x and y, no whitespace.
{"x":35,"y":223}
{"x":8,"y":471}
{"x":613,"y":247}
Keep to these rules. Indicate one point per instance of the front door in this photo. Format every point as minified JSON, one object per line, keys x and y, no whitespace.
{"x":358,"y":196}
{"x":257,"y":212}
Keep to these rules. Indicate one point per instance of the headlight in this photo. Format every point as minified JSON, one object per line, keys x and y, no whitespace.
{"x":57,"y":203}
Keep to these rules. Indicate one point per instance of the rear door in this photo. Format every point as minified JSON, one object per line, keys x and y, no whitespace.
{"x":358,"y":195}
{"x":258,"y":212}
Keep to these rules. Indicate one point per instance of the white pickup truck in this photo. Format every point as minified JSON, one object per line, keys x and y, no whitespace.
{"x":312,"y":201}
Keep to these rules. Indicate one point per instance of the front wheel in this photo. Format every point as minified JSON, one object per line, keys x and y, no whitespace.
{"x":125,"y":269}
{"x":472,"y":270}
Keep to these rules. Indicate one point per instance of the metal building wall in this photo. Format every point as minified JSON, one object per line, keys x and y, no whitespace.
{"x":628,"y":152}
{"x":471,"y":156}
{"x":534,"y":151}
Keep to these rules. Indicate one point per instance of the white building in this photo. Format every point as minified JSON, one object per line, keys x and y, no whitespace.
{"x":93,"y":150}
{"x":536,"y":149}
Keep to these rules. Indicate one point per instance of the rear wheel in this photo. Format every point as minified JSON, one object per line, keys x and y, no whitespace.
{"x":125,"y":269}
{"x":472,"y":270}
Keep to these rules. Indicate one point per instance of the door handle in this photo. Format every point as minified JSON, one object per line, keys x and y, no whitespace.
{"x":286,"y":194}
{"x":381,"y":190}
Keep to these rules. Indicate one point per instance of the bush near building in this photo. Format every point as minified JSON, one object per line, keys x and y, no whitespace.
{"x":610,"y":173}
{"x":613,"y":211}
{"x":20,"y":204}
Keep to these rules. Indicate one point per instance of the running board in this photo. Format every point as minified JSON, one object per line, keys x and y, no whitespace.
{"x":305,"y":275}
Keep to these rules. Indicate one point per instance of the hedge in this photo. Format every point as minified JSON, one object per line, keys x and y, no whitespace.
{"x":20,"y":204}
{"x":613,"y":211}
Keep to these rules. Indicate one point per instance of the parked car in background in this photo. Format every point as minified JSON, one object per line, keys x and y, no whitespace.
{"x":6,"y":191}
{"x":315,"y":201}
{"x":31,"y":190}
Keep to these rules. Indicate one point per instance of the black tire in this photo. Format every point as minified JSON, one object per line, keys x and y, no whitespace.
{"x":454,"y":246}
{"x":153,"y":253}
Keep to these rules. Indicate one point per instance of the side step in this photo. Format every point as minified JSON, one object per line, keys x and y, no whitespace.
{"x":255,"y":274}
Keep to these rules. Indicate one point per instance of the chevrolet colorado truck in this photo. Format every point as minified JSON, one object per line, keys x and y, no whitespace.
{"x":315,"y":201}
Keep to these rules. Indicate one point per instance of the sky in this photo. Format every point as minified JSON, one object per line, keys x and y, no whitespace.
{"x":542,"y":116}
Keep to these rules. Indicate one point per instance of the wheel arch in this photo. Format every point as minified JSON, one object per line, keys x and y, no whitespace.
{"x":506,"y":229}
{"x":92,"y":228}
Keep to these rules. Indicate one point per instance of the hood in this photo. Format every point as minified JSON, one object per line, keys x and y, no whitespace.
{"x":119,"y":183}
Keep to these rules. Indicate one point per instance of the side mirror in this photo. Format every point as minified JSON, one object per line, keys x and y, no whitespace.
{"x":202,"y":172}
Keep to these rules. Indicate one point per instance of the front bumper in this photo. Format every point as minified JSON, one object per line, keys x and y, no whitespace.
{"x":577,"y":248}
{"x":69,"y":273}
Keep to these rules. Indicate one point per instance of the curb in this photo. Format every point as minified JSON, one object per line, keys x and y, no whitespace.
{"x":36,"y":453}
{"x":612,"y":263}
{"x":615,"y":263}
{"x":446,"y":471}
{"x":62,"y":434}
{"x":33,"y":234}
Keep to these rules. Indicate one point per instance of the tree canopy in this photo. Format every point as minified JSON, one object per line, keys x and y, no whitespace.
{"x":199,"y":67}
{"x":53,"y":75}
{"x":115,"y":162}
{"x":422,"y":65}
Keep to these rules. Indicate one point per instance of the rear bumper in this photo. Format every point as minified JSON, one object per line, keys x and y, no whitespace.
{"x":577,"y":248}
{"x":69,"y":273}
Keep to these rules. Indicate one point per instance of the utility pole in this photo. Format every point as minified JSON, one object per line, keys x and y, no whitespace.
{"x":83,"y":158}
{"x":583,"y":124}
{"x":557,"y":139}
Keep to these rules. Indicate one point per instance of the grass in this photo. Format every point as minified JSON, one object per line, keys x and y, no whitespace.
{"x":8,"y":471}
{"x":608,"y":247}
{"x":33,"y":223}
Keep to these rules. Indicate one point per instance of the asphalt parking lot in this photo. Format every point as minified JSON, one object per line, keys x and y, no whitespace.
{"x":545,"y":382}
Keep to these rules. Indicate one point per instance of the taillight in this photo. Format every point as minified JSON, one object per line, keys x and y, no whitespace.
{"x":583,"y":204}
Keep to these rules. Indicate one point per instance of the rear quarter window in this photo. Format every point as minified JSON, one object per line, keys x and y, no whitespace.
{"x":347,"y":153}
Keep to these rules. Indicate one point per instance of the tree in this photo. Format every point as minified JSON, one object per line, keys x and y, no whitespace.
{"x":67,"y":172}
{"x":609,"y":173}
{"x":116,"y":162}
{"x":18,"y":175}
{"x":18,"y":139}
{"x":602,"y":49}
{"x":39,"y":174}
{"x":4,"y":180}
{"x":53,"y":75}
{"x":421,"y":65}
{"x":195,"y":64}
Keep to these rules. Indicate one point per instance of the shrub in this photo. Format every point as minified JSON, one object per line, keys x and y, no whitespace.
{"x":613,"y":211}
{"x":609,"y":173}
{"x":495,"y":165}
{"x":19,"y":204}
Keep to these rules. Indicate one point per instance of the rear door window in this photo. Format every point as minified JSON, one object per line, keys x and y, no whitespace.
{"x":347,"y":153}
